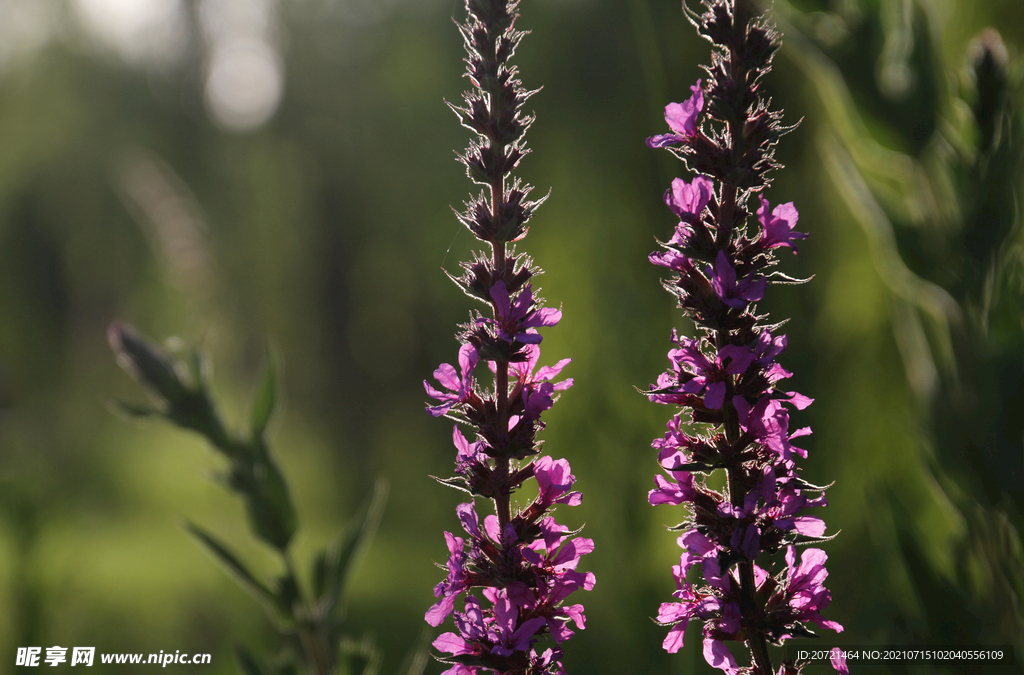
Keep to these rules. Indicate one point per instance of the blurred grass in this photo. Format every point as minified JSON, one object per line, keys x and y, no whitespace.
{"x":325,"y":231}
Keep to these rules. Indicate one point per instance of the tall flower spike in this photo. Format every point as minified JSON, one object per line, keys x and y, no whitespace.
{"x":522,"y":562}
{"x":725,"y":378}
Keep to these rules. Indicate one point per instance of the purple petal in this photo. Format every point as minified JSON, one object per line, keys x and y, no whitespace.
{"x":674,"y":640}
{"x":452,"y":644}
{"x":551,"y":372}
{"x":468,"y":518}
{"x":839,"y":661}
{"x":740,"y":358}
{"x":799,"y":401}
{"x":809,"y":526}
{"x":446,"y":375}
{"x":664,"y":140}
{"x":436,"y":615}
{"x":715,"y":396}
{"x":687,"y":200}
{"x":499,"y":293}
{"x":731,"y":618}
{"x":682,"y":117}
{"x":575,"y":613}
{"x":717,"y":654}
{"x":754,"y":290}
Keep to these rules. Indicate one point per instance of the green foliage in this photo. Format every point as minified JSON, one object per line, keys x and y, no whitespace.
{"x":312,"y":626}
{"x":944,"y":211}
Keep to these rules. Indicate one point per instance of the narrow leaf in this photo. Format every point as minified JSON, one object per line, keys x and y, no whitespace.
{"x":347,"y":550}
{"x":265,"y":400}
{"x":133,"y":410}
{"x":235,"y":568}
{"x":268,"y":502}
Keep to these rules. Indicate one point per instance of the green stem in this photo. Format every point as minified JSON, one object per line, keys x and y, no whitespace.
{"x":312,"y":632}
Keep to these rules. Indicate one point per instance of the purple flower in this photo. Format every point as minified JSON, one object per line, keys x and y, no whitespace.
{"x":469,"y":455}
{"x":546,"y":663}
{"x":696,"y":547}
{"x":682,"y":120}
{"x":453,"y":585}
{"x":678,"y":614}
{"x":778,"y":227}
{"x":677,"y":491}
{"x":505,"y":633}
{"x":536,"y":389}
{"x":805,"y":595}
{"x":693,"y":373}
{"x":459,"y":386}
{"x":688,"y":200}
{"x":768,"y":421}
{"x":555,"y":482}
{"x":733,"y":293}
{"x":672,"y":258}
{"x":516,"y":320}
{"x":523,"y":370}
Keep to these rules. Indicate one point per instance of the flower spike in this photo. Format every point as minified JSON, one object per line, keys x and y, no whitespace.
{"x":725,"y":379}
{"x":514,"y":570}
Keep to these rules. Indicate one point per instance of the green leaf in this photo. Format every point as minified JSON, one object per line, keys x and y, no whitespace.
{"x":236,"y":569}
{"x":265,"y":401}
{"x":133,"y":410}
{"x":343,"y":556}
{"x":268,"y":502}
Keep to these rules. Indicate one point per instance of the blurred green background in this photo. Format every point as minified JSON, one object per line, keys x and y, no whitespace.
{"x":245,"y":172}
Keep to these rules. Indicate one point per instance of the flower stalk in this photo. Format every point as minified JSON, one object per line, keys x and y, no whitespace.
{"x":522,"y":561}
{"x":726,"y":379}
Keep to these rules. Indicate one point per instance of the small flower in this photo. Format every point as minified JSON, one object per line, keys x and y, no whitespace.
{"x":506,"y":634}
{"x":805,"y":594}
{"x":688,"y":200}
{"x":515,"y":319}
{"x":778,"y":227}
{"x":459,"y":386}
{"x":523,"y":370}
{"x":678,"y":614}
{"x":682,"y":120}
{"x":453,"y":585}
{"x":547,"y":663}
{"x":677,"y":491}
{"x":735,"y":294}
{"x":469,"y":455}
{"x":555,"y":482}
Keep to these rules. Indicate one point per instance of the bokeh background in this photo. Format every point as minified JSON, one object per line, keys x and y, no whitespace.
{"x":241,"y":173}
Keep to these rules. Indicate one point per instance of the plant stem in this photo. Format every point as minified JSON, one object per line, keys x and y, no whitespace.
{"x":315,"y":645}
{"x":502,"y":501}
